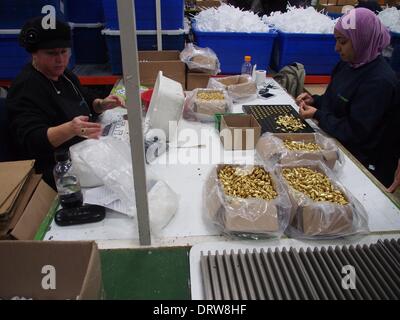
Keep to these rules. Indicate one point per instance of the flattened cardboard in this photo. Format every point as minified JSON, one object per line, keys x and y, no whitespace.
{"x":196,"y":80}
{"x":239,"y":132}
{"x":25,"y":195}
{"x":34,"y":213}
{"x":151,"y":62}
{"x":75,"y":265}
{"x":14,"y":173}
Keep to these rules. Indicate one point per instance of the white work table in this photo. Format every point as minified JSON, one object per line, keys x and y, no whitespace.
{"x":190,"y":225}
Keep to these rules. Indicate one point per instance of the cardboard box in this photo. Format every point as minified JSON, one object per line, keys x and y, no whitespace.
{"x":269,"y":150}
{"x":196,"y":80}
{"x":266,"y":220}
{"x":346,"y":2}
{"x":50,"y":270}
{"x":313,"y":220}
{"x":208,"y":3}
{"x":329,"y":2}
{"x":151,"y":62}
{"x":239,"y":132}
{"x":31,"y":208}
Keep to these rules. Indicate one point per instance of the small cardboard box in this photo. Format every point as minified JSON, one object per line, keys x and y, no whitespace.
{"x":151,"y":62}
{"x":32,"y":206}
{"x":208,"y":3}
{"x":196,"y":80}
{"x":42,"y":270}
{"x":239,"y":132}
{"x":329,"y":2}
{"x":269,"y":150}
{"x":346,"y":2}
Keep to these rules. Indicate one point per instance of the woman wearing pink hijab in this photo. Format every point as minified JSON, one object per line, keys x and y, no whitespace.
{"x":361,"y":105}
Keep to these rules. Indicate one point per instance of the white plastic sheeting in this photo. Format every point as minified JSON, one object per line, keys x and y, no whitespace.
{"x":390,"y":17}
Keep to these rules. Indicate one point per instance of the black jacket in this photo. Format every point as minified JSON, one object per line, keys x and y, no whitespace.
{"x":360,"y":108}
{"x":34,"y":105}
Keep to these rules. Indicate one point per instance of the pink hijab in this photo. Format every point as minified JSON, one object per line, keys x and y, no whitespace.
{"x":366,"y":33}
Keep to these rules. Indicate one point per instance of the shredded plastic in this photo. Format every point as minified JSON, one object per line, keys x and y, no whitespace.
{"x":301,"y":20}
{"x":227,"y":18}
{"x":390,"y":17}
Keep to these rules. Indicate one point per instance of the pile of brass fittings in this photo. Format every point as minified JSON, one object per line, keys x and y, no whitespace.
{"x":313,"y":184}
{"x":289,"y":123}
{"x":210,"y":95}
{"x":251,"y":183}
{"x":301,"y":146}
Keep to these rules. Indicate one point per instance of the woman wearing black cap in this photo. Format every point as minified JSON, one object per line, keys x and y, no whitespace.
{"x":47,"y":107}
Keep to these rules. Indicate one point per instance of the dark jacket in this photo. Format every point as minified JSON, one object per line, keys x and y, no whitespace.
{"x":360,"y":108}
{"x":33,"y":106}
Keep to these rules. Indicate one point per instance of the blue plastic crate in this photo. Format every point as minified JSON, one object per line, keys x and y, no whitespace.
{"x":315,"y":51}
{"x":172,"y":13}
{"x":395,"y":59}
{"x":231,"y":47}
{"x":14,"y":13}
{"x":89,"y":37}
{"x":86,"y":11}
{"x":144,"y":42}
{"x":13,"y":57}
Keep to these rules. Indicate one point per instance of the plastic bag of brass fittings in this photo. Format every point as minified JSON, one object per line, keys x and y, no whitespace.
{"x":284,"y":148}
{"x":246,"y":201}
{"x":202,"y":60}
{"x":240,"y":88}
{"x":321,"y":206}
{"x":202,"y":104}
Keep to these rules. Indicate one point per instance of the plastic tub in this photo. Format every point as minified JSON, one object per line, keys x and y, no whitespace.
{"x":166,"y":105}
{"x":315,"y":51}
{"x":172,"y":13}
{"x":231,"y":47}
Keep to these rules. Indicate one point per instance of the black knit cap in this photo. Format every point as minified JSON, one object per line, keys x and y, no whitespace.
{"x":33,"y":37}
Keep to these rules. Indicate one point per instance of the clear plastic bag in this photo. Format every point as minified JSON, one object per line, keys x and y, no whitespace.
{"x":202,"y":104}
{"x":322,"y":219}
{"x":200,"y":59}
{"x":239,"y":88}
{"x":272,"y":150}
{"x":251,"y":217}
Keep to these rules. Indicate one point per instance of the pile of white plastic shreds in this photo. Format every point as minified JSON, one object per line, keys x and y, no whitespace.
{"x":390,"y":17}
{"x":227,"y":18}
{"x":301,"y":20}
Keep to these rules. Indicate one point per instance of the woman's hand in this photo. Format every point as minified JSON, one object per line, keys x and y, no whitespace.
{"x":111,"y":102}
{"x":396,"y":180}
{"x":82,"y":127}
{"x":305,"y":97}
{"x":306,"y":111}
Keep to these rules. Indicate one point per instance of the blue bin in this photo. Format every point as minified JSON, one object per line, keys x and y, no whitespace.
{"x":89,"y":45}
{"x":144,"y":42}
{"x":231,"y":47}
{"x":12,"y":56}
{"x":315,"y":51}
{"x":395,"y":58}
{"x":86,"y":11}
{"x":14,"y":13}
{"x":172,"y":13}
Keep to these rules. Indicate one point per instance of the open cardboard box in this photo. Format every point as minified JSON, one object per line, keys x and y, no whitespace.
{"x":268,"y":149}
{"x":238,"y":87}
{"x":41,"y":270}
{"x":31,"y":206}
{"x":312,"y":219}
{"x":266,"y":216}
{"x":239,"y":132}
{"x":151,"y":62}
{"x":196,"y":80}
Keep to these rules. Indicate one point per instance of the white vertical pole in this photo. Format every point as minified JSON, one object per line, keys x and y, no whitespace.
{"x":127,"y":25}
{"x":159,"y":30}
